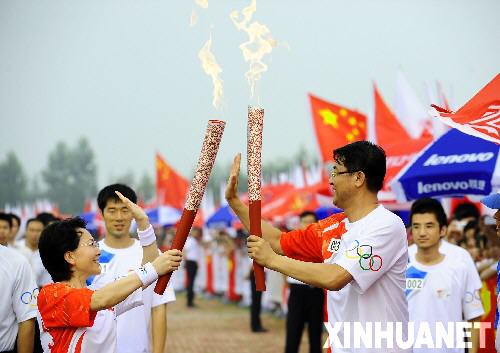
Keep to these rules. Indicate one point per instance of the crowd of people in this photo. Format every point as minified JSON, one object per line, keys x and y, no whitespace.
{"x":72,"y":291}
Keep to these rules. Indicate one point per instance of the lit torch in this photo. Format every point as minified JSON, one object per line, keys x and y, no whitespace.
{"x":213,"y":136}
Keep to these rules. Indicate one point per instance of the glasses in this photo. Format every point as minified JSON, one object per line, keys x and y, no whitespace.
{"x":91,"y":243}
{"x":335,"y":173}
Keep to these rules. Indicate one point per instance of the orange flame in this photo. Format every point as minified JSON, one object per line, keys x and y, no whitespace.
{"x":193,"y":19}
{"x":202,"y":3}
{"x":212,"y":69}
{"x":260,"y":42}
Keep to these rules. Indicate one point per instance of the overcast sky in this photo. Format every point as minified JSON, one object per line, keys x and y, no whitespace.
{"x":126,"y":74}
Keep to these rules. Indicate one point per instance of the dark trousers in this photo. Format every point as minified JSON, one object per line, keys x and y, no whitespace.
{"x":255,"y":306}
{"x":191,"y":269}
{"x":37,"y":344}
{"x":305,"y":305}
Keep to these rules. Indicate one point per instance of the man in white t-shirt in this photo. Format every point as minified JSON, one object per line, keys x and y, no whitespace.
{"x":18,"y":302}
{"x":120,"y":254}
{"x":29,"y":245}
{"x":446,"y":286}
{"x":493,"y":201}
{"x":5,"y":225}
{"x":359,"y":255}
{"x":14,"y":230}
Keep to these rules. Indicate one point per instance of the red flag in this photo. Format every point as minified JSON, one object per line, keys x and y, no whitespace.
{"x":480,"y":116}
{"x":398,"y":155}
{"x":293,"y":202}
{"x":171,"y":188}
{"x":387,"y":126}
{"x":335,"y":126}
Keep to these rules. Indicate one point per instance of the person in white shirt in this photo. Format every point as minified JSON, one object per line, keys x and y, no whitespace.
{"x":18,"y":299}
{"x":440,"y":283}
{"x":14,"y":230}
{"x":359,"y":256}
{"x":119,"y":254}
{"x":193,"y":252}
{"x":493,"y":201}
{"x":29,"y":245}
{"x":5,"y":225}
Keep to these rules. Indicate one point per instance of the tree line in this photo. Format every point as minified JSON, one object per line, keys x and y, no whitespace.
{"x":70,"y":177}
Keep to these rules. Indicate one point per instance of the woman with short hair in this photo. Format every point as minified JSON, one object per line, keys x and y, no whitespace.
{"x":74,"y":317}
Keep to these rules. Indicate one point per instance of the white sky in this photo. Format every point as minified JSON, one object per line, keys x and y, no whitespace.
{"x":126,"y":74}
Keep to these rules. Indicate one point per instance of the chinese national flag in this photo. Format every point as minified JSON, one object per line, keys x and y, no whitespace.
{"x":171,"y":188}
{"x":480,"y":116}
{"x":335,"y":126}
{"x":387,"y":126}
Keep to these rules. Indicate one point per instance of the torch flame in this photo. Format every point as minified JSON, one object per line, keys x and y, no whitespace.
{"x":212,"y":69}
{"x":202,"y":3}
{"x":260,"y":42}
{"x":193,"y":19}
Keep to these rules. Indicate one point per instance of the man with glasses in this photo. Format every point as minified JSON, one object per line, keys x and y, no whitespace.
{"x":359,"y":255}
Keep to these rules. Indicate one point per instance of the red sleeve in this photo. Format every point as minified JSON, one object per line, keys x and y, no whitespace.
{"x":303,"y":244}
{"x":62,"y":306}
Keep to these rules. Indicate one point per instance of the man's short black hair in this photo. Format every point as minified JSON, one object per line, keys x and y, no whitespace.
{"x":108,"y":193}
{"x":46,"y":218}
{"x":366,"y":157}
{"x":7,"y":218}
{"x":429,"y":205}
{"x":472,"y":225}
{"x":466,"y":210}
{"x":16,"y":217}
{"x":308,"y":213}
{"x":57,"y":239}
{"x":34,"y":220}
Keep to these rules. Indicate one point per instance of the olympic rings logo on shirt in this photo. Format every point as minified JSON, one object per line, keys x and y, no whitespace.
{"x":364,"y":254}
{"x":30,"y":297}
{"x":471,"y":297}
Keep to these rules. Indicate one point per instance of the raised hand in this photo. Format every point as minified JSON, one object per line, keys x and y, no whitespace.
{"x":138,"y":213}
{"x":232,"y":183}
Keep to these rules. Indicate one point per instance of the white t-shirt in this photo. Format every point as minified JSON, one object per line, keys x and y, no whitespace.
{"x":374,"y":251}
{"x":101,"y":336}
{"x":132,"y":326}
{"x":443,"y":292}
{"x":376,"y":293}
{"x":192,"y":250}
{"x":455,"y":252}
{"x":17,"y":295}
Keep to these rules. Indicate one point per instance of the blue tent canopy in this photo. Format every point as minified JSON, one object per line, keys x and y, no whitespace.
{"x":456,"y":164}
{"x":223,"y":216}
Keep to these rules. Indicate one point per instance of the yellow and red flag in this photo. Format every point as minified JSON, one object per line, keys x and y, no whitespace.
{"x":171,"y":187}
{"x":335,"y":126}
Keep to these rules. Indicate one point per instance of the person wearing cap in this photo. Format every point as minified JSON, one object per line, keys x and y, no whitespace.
{"x":493,"y":201}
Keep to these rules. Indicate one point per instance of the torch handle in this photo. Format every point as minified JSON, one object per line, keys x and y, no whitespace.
{"x":256,"y":229}
{"x":180,"y":238}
